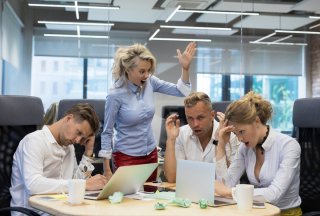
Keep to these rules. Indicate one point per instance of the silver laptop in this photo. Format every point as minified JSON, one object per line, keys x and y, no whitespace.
{"x":195,"y":181}
{"x":127,"y":179}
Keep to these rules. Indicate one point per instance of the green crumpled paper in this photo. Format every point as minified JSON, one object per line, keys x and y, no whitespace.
{"x":116,"y":197}
{"x":185,"y":203}
{"x":159,"y":206}
{"x":203,"y":203}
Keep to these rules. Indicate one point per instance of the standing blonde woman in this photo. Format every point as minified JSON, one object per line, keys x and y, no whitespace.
{"x":270,"y":159}
{"x":127,"y":135}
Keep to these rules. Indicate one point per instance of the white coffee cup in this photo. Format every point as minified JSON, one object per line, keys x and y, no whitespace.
{"x":76,"y":190}
{"x":243,"y":195}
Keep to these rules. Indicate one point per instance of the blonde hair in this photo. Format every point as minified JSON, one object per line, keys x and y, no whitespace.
{"x":195,"y":97}
{"x":246,"y":109}
{"x":125,"y":59}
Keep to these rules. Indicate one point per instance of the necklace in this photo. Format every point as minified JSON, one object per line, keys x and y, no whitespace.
{"x":259,"y":145}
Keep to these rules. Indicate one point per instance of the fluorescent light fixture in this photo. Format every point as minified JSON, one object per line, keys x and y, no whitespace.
{"x":282,"y":39}
{"x":76,"y":36}
{"x":173,"y":13}
{"x":314,"y":17}
{"x":280,"y":43}
{"x":195,"y":27}
{"x":219,"y":12}
{"x":175,"y":39}
{"x":314,"y":26}
{"x":181,"y":39}
{"x":296,"y":32}
{"x":263,"y":38}
{"x":76,"y":23}
{"x":78,"y":31}
{"x":154,"y":34}
{"x":72,"y":6}
{"x":77,"y":10}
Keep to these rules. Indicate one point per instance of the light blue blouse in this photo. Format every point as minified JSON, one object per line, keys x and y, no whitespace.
{"x":129,"y":113}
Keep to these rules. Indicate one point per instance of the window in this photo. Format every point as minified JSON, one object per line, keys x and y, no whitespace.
{"x":281,"y":91}
{"x":99,"y":77}
{"x":66,"y":82}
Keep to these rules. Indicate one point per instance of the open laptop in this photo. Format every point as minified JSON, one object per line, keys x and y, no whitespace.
{"x":127,"y":179}
{"x":195,"y":181}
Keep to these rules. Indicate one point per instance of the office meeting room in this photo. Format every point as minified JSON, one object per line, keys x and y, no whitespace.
{"x":159,"y":107}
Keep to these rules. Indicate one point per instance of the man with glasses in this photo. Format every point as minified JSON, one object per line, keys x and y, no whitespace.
{"x":198,"y":140}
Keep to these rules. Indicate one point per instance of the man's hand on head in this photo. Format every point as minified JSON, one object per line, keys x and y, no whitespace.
{"x":172,"y":126}
{"x":89,"y":146}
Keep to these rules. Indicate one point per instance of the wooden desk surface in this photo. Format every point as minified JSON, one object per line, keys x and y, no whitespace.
{"x":138,"y":208}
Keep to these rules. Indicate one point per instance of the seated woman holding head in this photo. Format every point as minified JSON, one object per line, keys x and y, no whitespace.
{"x":271,"y":159}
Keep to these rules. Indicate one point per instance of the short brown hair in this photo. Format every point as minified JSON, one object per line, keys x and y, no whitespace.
{"x":195,"y":97}
{"x":85,"y":111}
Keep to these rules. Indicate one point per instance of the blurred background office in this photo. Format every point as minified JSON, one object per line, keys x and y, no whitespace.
{"x":58,"y":49}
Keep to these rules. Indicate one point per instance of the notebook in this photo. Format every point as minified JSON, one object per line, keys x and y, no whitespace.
{"x":127,"y":179}
{"x":195,"y":181}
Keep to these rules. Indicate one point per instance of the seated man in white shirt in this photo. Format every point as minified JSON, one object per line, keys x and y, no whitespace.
{"x":45,"y":159}
{"x":198,"y":140}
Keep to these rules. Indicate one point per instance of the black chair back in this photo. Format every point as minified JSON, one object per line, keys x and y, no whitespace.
{"x":19,"y":116}
{"x":307,"y":132}
{"x":98,"y":105}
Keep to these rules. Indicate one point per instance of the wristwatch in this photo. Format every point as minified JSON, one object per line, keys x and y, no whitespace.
{"x":215,"y":142}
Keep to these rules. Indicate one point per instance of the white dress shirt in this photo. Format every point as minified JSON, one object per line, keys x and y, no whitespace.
{"x":188,"y":147}
{"x":41,"y":166}
{"x":279,"y":175}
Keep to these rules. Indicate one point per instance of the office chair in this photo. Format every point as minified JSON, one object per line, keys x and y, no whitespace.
{"x":98,"y":105}
{"x":19,"y":116}
{"x":307,"y":132}
{"x":220,"y":106}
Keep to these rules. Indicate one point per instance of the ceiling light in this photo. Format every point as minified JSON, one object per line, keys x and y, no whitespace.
{"x":296,"y":32}
{"x":72,"y":6}
{"x":181,"y":39}
{"x":282,"y":39}
{"x":77,"y":10}
{"x":218,"y":12}
{"x":280,"y":43}
{"x":314,"y":17}
{"x":76,"y":36}
{"x":175,"y":39}
{"x":76,"y":23}
{"x":173,"y":13}
{"x":154,"y":34}
{"x":314,"y":26}
{"x":78,"y":31}
{"x":195,"y":27}
{"x":263,"y":38}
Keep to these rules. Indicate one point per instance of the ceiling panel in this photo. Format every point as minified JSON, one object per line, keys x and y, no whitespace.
{"x":129,"y":12}
{"x":216,"y":18}
{"x":256,"y":7}
{"x":308,"y":5}
{"x":273,"y":22}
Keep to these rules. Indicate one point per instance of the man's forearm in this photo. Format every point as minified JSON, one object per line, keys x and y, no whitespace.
{"x":170,"y":161}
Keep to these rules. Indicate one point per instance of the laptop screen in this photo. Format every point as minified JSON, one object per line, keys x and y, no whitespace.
{"x":195,"y":180}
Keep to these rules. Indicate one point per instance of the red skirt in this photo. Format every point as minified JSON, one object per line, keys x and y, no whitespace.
{"x":119,"y":159}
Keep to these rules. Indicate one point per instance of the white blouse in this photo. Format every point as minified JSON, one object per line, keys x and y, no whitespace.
{"x":279,"y":175}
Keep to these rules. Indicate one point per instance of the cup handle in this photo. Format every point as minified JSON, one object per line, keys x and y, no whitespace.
{"x":233,"y":193}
